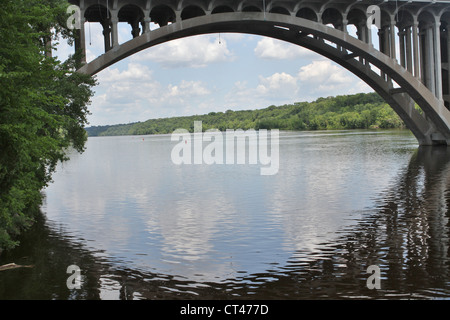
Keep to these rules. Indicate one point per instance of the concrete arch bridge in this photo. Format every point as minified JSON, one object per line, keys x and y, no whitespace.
{"x":408,"y":65}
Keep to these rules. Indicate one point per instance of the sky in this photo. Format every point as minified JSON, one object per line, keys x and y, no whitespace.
{"x":208,"y":73}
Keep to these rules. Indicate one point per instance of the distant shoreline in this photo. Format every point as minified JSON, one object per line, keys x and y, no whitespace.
{"x":358,"y":111}
{"x":330,"y":131}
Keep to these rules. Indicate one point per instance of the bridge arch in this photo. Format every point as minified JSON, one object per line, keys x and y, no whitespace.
{"x":280,"y":10}
{"x":379,"y":69}
{"x":251,"y":9}
{"x":356,"y":16}
{"x":202,"y":4}
{"x":404,"y":18}
{"x":332,"y":16}
{"x":101,"y":14}
{"x":222,"y":9}
{"x":243,"y":4}
{"x":134,"y":16}
{"x":214,"y":5}
{"x":163,"y":15}
{"x":192,"y":11}
{"x":307,"y":13}
{"x":97,"y":12}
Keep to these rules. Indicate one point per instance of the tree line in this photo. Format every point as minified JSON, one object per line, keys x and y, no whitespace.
{"x":358,"y":111}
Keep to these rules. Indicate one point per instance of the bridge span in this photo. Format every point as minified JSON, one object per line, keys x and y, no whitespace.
{"x":409,"y":66}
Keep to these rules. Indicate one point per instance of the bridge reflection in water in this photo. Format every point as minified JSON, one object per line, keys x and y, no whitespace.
{"x":406,"y":235}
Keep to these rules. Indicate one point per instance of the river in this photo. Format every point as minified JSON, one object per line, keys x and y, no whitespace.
{"x":139,"y":226}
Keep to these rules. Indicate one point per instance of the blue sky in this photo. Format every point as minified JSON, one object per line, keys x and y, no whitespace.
{"x":201,"y":74}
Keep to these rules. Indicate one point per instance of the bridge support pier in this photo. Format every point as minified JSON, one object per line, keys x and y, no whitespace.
{"x":80,"y":42}
{"x":447,"y":83}
{"x":415,"y":29}
{"x":437,"y":59}
{"x":107,"y":35}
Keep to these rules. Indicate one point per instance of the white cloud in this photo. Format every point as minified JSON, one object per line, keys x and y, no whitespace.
{"x":277,"y":88}
{"x":279,"y":84}
{"x":324,"y":78}
{"x":317,"y":79}
{"x":133,"y":94}
{"x":188,"y":89}
{"x":233,"y":37}
{"x":135,"y":72}
{"x":192,"y":52}
{"x":269,"y":48}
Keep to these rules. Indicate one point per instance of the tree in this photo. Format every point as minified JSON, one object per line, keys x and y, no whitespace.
{"x":43,"y":108}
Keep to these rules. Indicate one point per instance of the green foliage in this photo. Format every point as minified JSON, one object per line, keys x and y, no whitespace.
{"x":359,"y":111}
{"x":43,"y":109}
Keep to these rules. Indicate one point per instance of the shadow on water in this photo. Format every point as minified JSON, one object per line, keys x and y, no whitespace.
{"x":406,"y":236}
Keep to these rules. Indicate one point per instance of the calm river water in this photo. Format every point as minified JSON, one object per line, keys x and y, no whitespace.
{"x":140,"y":227}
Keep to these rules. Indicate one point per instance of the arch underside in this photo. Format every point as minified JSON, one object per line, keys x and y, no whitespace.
{"x":430,"y":128}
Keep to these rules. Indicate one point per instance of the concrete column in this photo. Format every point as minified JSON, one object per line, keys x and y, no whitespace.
{"x":107,"y":35}
{"x":408,"y":50}
{"x":415,"y":38}
{"x":115,"y":31}
{"x":388,"y":42}
{"x":401,"y":37}
{"x":363,"y":32}
{"x":422,"y":42}
{"x":359,"y":31}
{"x":360,"y":35}
{"x":368,"y":40}
{"x":135,"y":30}
{"x":146,"y":24}
{"x":381,"y":40}
{"x":429,"y":62}
{"x":344,"y":25}
{"x":369,"y":34}
{"x":381,"y":43}
{"x":448,"y":60}
{"x":387,"y":48}
{"x":437,"y":59}
{"x":80,"y":41}
{"x":392,"y":40}
{"x":385,"y":45}
{"x":343,"y":28}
